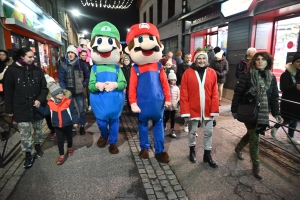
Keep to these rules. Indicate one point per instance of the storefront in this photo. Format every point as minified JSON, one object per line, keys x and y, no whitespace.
{"x":29,"y":27}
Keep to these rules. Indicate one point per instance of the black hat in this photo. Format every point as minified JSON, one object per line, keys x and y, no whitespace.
{"x":296,"y":57}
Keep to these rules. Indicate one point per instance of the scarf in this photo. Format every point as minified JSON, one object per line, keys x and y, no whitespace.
{"x":24,"y":63}
{"x":261,"y":81}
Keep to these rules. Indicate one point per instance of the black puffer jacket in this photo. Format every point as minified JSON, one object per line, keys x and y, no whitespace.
{"x":23,"y":85}
{"x":221,"y":67}
{"x":244,"y":84}
{"x":290,"y":92}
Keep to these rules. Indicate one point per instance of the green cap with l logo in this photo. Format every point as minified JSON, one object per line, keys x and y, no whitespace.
{"x":105,"y":29}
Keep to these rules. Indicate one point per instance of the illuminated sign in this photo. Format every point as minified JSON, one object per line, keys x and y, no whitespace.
{"x":232,"y":7}
{"x":28,"y":13}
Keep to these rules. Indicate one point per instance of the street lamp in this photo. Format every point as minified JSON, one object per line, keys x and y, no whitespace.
{"x":75,"y":12}
{"x":85,"y":32}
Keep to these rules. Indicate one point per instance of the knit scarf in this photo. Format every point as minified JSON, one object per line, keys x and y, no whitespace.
{"x":261,"y":81}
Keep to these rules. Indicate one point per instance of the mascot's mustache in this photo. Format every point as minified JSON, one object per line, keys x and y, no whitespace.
{"x":95,"y":48}
{"x":156,"y":48}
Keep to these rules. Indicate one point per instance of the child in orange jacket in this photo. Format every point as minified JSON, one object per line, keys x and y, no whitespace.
{"x":63,"y":116}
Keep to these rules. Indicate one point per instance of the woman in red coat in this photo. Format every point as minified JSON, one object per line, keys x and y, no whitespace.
{"x":199,"y":102}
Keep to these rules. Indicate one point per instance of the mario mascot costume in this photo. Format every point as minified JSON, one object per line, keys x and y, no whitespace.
{"x":149,"y":90}
{"x":107,"y":83}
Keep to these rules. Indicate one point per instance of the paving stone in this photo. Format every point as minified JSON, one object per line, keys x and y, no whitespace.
{"x":160,"y":194}
{"x":174,"y":182}
{"x":142,"y":171}
{"x":162,"y":177}
{"x":152,"y":175}
{"x":145,"y":180}
{"x":177,"y":187}
{"x":149,"y":191}
{"x":171,"y":195}
{"x":155,"y":181}
{"x":166,"y":167}
{"x":144,"y":176}
{"x":159,"y":172}
{"x":147,"y":185}
{"x":181,"y":193}
{"x":157,"y":187}
{"x":169,"y":172}
{"x":171,"y":177}
{"x":151,"y":197}
{"x":164,"y":183}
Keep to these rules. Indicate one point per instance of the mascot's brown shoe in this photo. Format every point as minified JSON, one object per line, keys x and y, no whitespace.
{"x":144,"y":154}
{"x":162,"y":157}
{"x":101,"y":142}
{"x":113,"y":149}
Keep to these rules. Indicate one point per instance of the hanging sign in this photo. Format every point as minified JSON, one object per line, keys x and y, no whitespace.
{"x":232,"y":7}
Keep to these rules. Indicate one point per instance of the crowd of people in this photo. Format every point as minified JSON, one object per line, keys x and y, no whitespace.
{"x":196,"y":87}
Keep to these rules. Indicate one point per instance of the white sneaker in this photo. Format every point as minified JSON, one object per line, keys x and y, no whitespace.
{"x":273,"y":132}
{"x":89,"y":108}
{"x":295,"y":141}
{"x":186,"y":129}
{"x":196,"y":134}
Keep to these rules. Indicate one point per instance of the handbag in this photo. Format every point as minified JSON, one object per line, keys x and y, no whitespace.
{"x":248,"y":113}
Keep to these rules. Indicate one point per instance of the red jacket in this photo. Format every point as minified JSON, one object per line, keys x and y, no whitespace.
{"x":198,"y":97}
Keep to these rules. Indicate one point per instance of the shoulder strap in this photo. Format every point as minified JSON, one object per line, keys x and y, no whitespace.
{"x":135,"y":67}
{"x":293,"y":78}
{"x":159,"y":67}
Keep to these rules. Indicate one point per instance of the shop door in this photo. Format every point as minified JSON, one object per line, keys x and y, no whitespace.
{"x":287,"y":35}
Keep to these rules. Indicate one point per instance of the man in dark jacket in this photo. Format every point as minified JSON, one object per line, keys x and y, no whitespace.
{"x":74,"y":76}
{"x":25,"y":89}
{"x":126,"y":71}
{"x":183,"y":66}
{"x":242,"y":66}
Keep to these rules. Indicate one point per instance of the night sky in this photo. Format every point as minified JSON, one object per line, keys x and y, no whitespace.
{"x":91,"y":16}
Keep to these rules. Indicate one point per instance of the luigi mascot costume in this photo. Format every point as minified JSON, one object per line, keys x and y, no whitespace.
{"x":107,"y":83}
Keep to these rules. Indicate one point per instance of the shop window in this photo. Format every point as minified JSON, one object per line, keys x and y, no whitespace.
{"x":151,"y":14}
{"x":222,"y":38}
{"x":44,"y":55}
{"x":32,"y":46}
{"x":24,"y":42}
{"x":54,"y":58}
{"x":198,"y":42}
{"x":159,"y":11}
{"x":144,"y":17}
{"x":15,"y":40}
{"x":287,"y":35}
{"x":170,"y":44}
{"x":171,"y":8}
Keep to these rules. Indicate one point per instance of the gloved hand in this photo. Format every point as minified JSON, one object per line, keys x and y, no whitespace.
{"x":135,"y":108}
{"x":168,"y":104}
{"x":100,"y":86}
{"x":279,"y":119}
{"x":110,"y":86}
{"x":234,"y":115}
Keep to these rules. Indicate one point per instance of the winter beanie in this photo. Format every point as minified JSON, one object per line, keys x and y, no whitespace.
{"x":140,"y":29}
{"x":296,"y":57}
{"x":49,"y":79}
{"x":73,"y":49}
{"x":4,"y":51}
{"x":125,"y":57}
{"x":219,"y":55}
{"x":172,"y":75}
{"x":54,"y":89}
{"x":197,"y":54}
{"x":106,"y":29}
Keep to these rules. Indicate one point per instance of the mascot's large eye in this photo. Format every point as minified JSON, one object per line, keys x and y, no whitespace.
{"x":110,"y":41}
{"x":141,"y":39}
{"x":151,"y":37}
{"x":99,"y":41}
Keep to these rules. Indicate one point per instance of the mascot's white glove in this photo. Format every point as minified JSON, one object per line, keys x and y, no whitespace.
{"x":110,"y":86}
{"x":135,"y":108}
{"x":168,"y":104}
{"x":100,"y":86}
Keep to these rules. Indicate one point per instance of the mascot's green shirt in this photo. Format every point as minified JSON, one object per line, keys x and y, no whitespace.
{"x":106,"y":68}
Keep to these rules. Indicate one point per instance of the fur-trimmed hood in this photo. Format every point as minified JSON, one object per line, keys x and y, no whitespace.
{"x":67,"y":94}
{"x":9,"y":62}
{"x":292,"y":69}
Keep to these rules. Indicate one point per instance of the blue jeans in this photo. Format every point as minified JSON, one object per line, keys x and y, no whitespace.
{"x":291,"y":122}
{"x":79,"y":98}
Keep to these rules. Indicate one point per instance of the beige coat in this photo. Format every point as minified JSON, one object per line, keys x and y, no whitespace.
{"x":175,"y":96}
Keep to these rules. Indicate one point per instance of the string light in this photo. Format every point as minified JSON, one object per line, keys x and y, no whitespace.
{"x":112,"y":4}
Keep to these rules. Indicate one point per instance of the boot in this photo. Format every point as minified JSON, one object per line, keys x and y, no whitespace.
{"x":239,"y":153}
{"x":255,"y":170}
{"x":39,"y":151}
{"x":28,"y":160}
{"x":82,"y":131}
{"x":144,"y":154}
{"x":162,"y":157}
{"x":192,"y":154}
{"x":207,"y":158}
{"x":101,"y":142}
{"x":113,"y":149}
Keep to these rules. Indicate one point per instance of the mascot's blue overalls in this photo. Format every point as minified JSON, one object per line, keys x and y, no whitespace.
{"x":107,"y":106}
{"x":151,"y":102}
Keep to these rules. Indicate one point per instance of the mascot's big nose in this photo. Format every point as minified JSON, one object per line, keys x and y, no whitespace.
{"x":147,"y":47}
{"x":105,"y":50}
{"x":149,"y":44}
